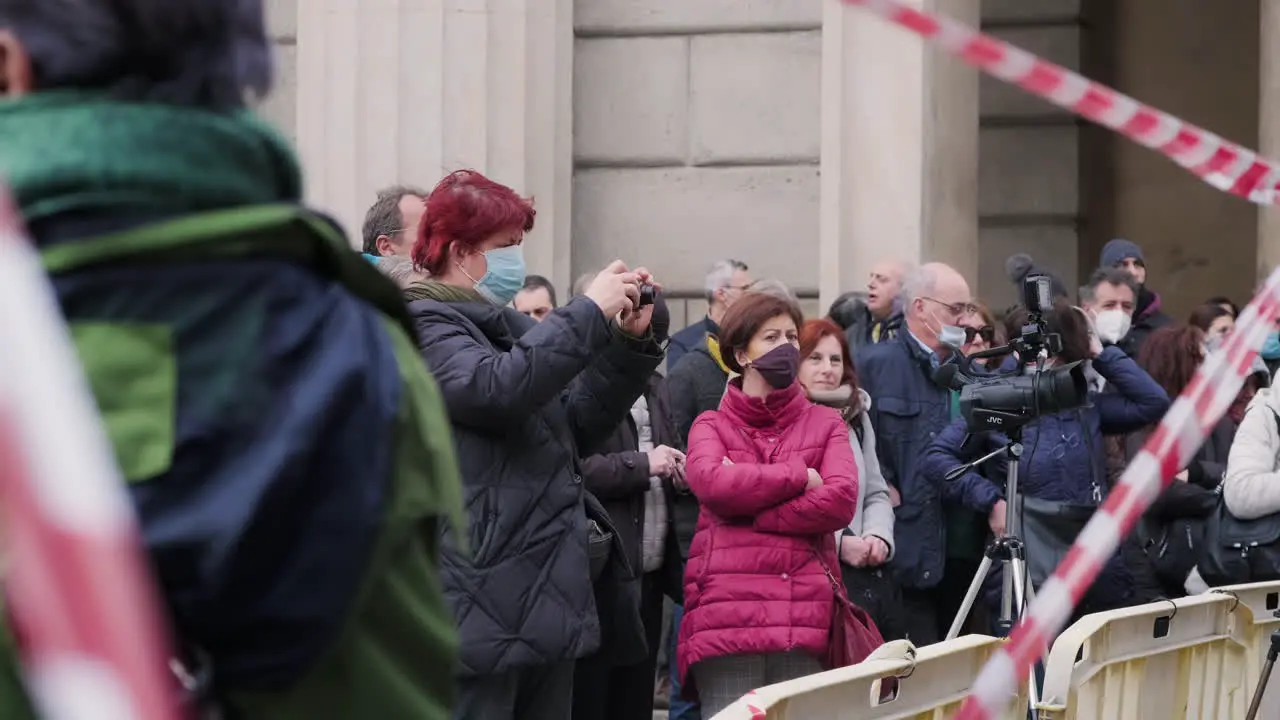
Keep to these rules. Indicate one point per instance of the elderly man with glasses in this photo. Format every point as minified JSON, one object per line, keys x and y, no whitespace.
{"x":909,"y":409}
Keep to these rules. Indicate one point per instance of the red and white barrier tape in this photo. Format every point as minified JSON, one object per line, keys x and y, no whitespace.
{"x":79,"y":593}
{"x":1224,"y":165}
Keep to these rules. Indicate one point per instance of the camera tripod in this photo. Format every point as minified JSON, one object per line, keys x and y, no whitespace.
{"x":1009,"y":550}
{"x":1272,"y":653}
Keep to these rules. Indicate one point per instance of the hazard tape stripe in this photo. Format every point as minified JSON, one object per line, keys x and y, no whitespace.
{"x":1224,"y":165}
{"x":79,"y":594}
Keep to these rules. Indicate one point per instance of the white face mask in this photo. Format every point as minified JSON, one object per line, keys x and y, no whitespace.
{"x":950,"y":335}
{"x":1112,"y":325}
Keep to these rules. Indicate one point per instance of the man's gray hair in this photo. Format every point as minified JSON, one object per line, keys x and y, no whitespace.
{"x":1110,"y":275}
{"x":720,"y":275}
{"x":918,"y":281}
{"x":384,"y":217}
{"x":211,"y":54}
{"x":776,"y":288}
{"x":580,"y":285}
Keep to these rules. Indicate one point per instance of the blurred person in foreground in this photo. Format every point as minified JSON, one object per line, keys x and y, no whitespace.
{"x":286,"y":451}
{"x":776,"y":479}
{"x":910,"y":408}
{"x":866,"y":545}
{"x":524,"y":399}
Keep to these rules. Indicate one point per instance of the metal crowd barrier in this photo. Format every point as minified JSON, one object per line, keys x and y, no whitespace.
{"x":1196,"y":658}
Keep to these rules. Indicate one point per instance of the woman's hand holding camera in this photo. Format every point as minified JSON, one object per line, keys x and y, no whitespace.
{"x":616,"y":290}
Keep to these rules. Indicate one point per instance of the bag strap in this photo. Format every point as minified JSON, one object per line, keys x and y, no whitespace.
{"x":283,"y":231}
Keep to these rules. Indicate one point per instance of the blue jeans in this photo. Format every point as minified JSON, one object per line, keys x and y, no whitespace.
{"x":679,"y":709}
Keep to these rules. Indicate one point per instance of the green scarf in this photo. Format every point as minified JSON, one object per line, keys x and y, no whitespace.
{"x":441,"y":292}
{"x":62,"y":151}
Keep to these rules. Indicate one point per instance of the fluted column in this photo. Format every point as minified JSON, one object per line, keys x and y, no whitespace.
{"x":899,"y":148}
{"x":404,"y":91}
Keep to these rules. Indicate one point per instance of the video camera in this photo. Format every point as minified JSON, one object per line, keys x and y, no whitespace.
{"x":1006,"y":403}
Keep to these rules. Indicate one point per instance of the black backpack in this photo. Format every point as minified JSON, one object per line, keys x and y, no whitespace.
{"x":1235,"y":551}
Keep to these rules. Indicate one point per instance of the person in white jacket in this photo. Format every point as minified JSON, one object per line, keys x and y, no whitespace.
{"x":1251,"y":487}
{"x":866,"y":545}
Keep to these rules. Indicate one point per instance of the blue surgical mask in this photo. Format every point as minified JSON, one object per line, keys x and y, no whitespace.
{"x":1271,"y":348}
{"x":504,"y":275}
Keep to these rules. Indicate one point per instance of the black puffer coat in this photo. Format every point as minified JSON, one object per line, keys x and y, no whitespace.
{"x":522,"y":398}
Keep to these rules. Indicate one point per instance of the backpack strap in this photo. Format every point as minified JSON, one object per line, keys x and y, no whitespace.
{"x":281,"y":231}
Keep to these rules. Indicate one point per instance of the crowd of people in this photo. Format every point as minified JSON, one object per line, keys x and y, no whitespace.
{"x":418,"y":485}
{"x":777,"y":451}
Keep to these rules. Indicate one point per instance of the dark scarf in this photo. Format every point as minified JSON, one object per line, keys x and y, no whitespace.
{"x":441,"y":292}
{"x":64,"y":151}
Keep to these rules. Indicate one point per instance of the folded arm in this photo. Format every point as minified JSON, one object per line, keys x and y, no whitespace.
{"x":741,"y":489}
{"x":826,"y":508}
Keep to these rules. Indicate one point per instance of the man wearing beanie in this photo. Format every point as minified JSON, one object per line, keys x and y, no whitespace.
{"x":1147,"y":314}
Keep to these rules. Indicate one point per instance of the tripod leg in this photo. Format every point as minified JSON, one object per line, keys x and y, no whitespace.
{"x":1017,"y":567}
{"x":970,"y":597}
{"x":1272,"y":653}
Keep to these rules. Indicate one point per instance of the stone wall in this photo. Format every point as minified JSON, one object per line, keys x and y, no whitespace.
{"x":1029,"y":158}
{"x":696,"y":137}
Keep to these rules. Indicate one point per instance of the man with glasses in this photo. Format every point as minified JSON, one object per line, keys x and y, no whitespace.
{"x":392,"y":222}
{"x":909,"y":409}
{"x":726,"y":281}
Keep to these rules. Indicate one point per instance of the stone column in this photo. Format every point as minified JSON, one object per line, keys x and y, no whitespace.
{"x":405,"y":91}
{"x":1269,"y":129}
{"x":899,"y":148}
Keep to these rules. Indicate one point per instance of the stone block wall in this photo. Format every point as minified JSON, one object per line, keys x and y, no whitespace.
{"x":696,"y":137}
{"x":1029,"y":158}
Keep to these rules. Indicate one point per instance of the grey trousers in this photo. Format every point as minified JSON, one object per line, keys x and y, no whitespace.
{"x":724,"y":679}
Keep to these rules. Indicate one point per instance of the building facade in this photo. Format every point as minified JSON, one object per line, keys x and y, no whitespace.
{"x":800,"y":136}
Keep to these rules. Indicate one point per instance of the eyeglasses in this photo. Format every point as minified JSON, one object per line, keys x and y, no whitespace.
{"x":956,"y":309}
{"x":986,"y":332}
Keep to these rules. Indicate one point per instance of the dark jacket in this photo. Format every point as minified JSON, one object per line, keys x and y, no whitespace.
{"x":297,"y":461}
{"x":694,"y":386}
{"x":523,"y":397}
{"x":866,"y":330}
{"x":687,"y":339}
{"x":1170,"y":531}
{"x":617,"y":473}
{"x":1064,"y":459}
{"x":908,"y":411}
{"x":1148,"y":316}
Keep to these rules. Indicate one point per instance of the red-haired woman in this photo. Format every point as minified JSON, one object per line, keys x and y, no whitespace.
{"x":776,"y":480}
{"x":828,"y":378}
{"x":1171,"y":356}
{"x":523,"y":398}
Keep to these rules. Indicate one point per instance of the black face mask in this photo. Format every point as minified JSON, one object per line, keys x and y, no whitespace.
{"x":779,"y":366}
